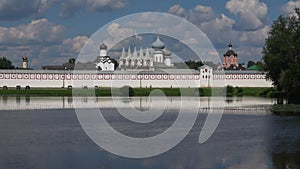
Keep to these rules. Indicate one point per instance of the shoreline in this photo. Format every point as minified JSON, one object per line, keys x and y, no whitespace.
{"x":108,"y":92}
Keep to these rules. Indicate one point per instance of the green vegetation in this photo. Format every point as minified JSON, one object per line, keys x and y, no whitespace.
{"x":281,"y":55}
{"x":128,"y":91}
{"x":6,"y":64}
{"x":72,"y":60}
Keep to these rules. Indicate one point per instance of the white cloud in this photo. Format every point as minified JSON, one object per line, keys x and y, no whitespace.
{"x":72,"y":46}
{"x":35,"y":32}
{"x":289,"y":8}
{"x":252,"y":13}
{"x":70,"y":7}
{"x":177,"y":10}
{"x":219,"y":30}
{"x":254,"y":38}
{"x":16,"y":9}
{"x":43,"y":41}
{"x":196,"y":15}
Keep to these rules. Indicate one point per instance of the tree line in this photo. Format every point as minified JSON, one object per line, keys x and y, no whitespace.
{"x":281,"y":55}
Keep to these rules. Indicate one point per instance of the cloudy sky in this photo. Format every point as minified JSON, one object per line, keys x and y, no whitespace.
{"x":52,"y":31}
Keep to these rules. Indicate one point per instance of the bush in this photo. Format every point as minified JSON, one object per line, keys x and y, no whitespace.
{"x":201,"y":92}
{"x":239,"y":90}
{"x":229,"y":89}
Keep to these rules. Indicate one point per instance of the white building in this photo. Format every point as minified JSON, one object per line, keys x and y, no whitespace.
{"x":105,"y":63}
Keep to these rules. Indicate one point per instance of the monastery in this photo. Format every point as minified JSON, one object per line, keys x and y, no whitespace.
{"x":144,"y":68}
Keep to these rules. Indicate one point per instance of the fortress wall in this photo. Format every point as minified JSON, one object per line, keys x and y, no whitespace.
{"x":58,"y":79}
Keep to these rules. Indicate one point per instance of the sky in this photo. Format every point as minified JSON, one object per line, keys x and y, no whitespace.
{"x":52,"y":31}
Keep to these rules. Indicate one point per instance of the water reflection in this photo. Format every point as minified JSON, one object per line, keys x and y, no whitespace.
{"x":54,"y":139}
{"x":285,"y":147}
{"x":141,"y":103}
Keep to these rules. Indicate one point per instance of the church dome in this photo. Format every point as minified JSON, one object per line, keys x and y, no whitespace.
{"x":167,"y":52}
{"x":103,"y":46}
{"x":230,"y":51}
{"x":158,"y":44}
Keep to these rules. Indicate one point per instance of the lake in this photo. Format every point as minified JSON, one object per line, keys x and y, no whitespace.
{"x":39,"y":132}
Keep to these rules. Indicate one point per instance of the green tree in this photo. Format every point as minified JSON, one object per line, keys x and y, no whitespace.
{"x":72,"y":60}
{"x":260,"y":64}
{"x":281,"y":55}
{"x":6,"y":64}
{"x":250,"y":63}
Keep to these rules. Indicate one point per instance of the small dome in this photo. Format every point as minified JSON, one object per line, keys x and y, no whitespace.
{"x":167,"y":52}
{"x":103,"y":46}
{"x":158,"y":44}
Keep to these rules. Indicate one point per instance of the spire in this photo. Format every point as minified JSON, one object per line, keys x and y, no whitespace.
{"x":134,"y":52}
{"x":129,"y":51}
{"x":230,"y":46}
{"x":123,"y":53}
{"x":147,"y":53}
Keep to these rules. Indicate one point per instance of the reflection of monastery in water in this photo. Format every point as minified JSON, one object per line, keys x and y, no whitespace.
{"x":245,"y":105}
{"x":150,"y":67}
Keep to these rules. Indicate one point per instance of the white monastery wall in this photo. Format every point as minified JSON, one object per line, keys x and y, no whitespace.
{"x":58,"y":79}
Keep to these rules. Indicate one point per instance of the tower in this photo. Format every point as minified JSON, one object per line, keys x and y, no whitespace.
{"x":103,"y":50}
{"x":25,"y":62}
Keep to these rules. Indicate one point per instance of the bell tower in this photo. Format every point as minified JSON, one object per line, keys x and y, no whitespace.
{"x":25,"y":62}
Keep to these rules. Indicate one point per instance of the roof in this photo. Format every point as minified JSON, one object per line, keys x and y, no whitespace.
{"x":230,"y":52}
{"x":103,"y":46}
{"x":205,"y":66}
{"x":254,"y":67}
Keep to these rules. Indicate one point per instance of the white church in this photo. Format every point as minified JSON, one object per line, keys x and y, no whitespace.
{"x":149,"y":58}
{"x":104,"y":63}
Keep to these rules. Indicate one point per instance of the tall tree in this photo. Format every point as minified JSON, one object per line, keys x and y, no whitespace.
{"x":281,"y":55}
{"x":6,"y":64}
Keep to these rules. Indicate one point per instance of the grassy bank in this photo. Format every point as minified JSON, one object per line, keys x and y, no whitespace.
{"x":286,"y":110}
{"x":231,"y":91}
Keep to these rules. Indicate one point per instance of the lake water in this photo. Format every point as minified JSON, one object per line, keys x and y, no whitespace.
{"x":45,"y":133}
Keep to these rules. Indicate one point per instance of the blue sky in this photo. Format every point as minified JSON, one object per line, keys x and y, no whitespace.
{"x":52,"y":31}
